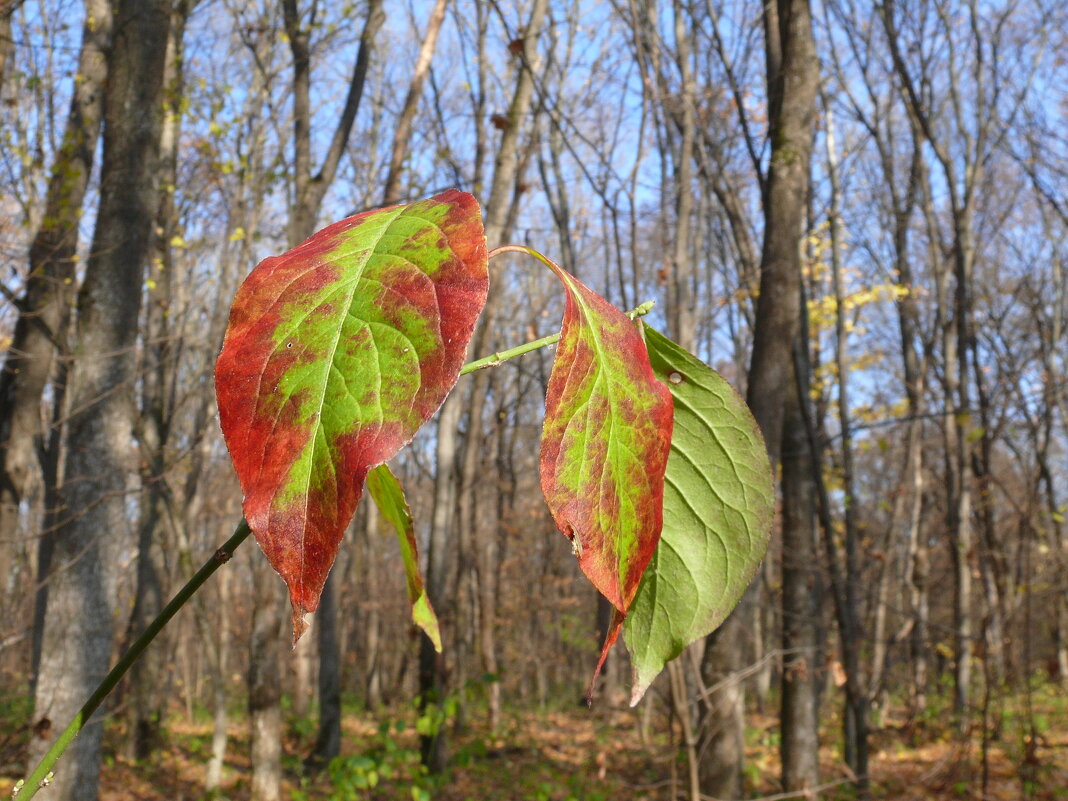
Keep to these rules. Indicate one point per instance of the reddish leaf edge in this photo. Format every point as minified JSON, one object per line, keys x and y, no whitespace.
{"x":618,"y":614}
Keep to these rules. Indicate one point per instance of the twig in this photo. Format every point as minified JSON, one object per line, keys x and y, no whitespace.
{"x":42,"y":774}
{"x":495,"y":359}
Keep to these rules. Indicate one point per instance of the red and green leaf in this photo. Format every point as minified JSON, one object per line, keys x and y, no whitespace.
{"x":389,"y":497}
{"x":605,"y":444}
{"x":336,"y":353}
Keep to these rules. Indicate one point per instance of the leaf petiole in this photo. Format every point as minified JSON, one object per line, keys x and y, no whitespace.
{"x":495,"y":359}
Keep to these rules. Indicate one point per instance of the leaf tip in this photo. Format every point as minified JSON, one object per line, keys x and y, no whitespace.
{"x":637,"y":691}
{"x":609,"y":641}
{"x":299,"y":624}
{"x":424,"y":617}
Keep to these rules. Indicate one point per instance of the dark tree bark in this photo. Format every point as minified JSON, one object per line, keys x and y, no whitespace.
{"x":310,"y":188}
{"x":80,"y":623}
{"x":265,"y":682}
{"x":793,"y":79}
{"x":847,"y":596}
{"x":801,"y":624}
{"x":328,"y":741}
{"x":146,"y":701}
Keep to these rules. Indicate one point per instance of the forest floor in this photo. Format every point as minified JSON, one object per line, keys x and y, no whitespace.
{"x":574,"y":755}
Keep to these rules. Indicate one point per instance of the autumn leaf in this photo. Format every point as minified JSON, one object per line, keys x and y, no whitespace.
{"x":718,"y":506}
{"x":336,"y":353}
{"x":604,"y":446}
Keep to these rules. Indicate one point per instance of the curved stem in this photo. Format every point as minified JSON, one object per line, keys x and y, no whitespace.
{"x":552,"y":265}
{"x":41,"y":775}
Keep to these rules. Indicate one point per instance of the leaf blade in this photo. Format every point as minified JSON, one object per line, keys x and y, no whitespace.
{"x":718,"y":507}
{"x":336,"y":353}
{"x":388,"y":496}
{"x":605,"y":443}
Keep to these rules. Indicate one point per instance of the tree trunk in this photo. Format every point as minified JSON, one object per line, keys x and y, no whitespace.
{"x":83,"y":598}
{"x":449,"y":455}
{"x":850,"y":633}
{"x":391,"y":194}
{"x":681,"y":299}
{"x":328,"y":743}
{"x":793,"y":77}
{"x":220,"y":714}
{"x":265,"y":682}
{"x":44,"y":308}
{"x":801,"y":629}
{"x":721,"y":741}
{"x":146,"y":701}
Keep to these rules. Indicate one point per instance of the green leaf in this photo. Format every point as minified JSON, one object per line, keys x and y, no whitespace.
{"x":389,"y":497}
{"x":335,"y":355}
{"x":719,"y":502}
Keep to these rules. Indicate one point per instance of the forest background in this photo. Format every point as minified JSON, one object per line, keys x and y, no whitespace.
{"x":856,"y":212}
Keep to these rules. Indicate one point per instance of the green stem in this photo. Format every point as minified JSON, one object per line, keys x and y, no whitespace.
{"x":500,"y":357}
{"x":42,"y":774}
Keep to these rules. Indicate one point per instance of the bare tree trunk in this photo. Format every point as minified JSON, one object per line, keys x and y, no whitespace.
{"x":7,"y":41}
{"x":442,"y":527}
{"x":391,"y":194}
{"x":681,"y":300}
{"x":219,"y":710}
{"x":449,"y":455}
{"x":146,"y":701}
{"x":801,"y":629}
{"x":265,"y":682}
{"x":83,"y":597}
{"x":793,"y":77}
{"x":721,"y":743}
{"x":44,"y":308}
{"x":849,"y":629}
{"x":309,"y":188}
{"x":372,"y":660}
{"x":990,"y":572}
{"x":328,"y":743}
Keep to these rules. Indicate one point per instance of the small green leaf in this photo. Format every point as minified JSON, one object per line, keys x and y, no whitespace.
{"x":718,"y":506}
{"x":388,"y":495}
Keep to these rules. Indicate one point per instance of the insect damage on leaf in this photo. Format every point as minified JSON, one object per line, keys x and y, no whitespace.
{"x":335,"y":354}
{"x":608,"y":423}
